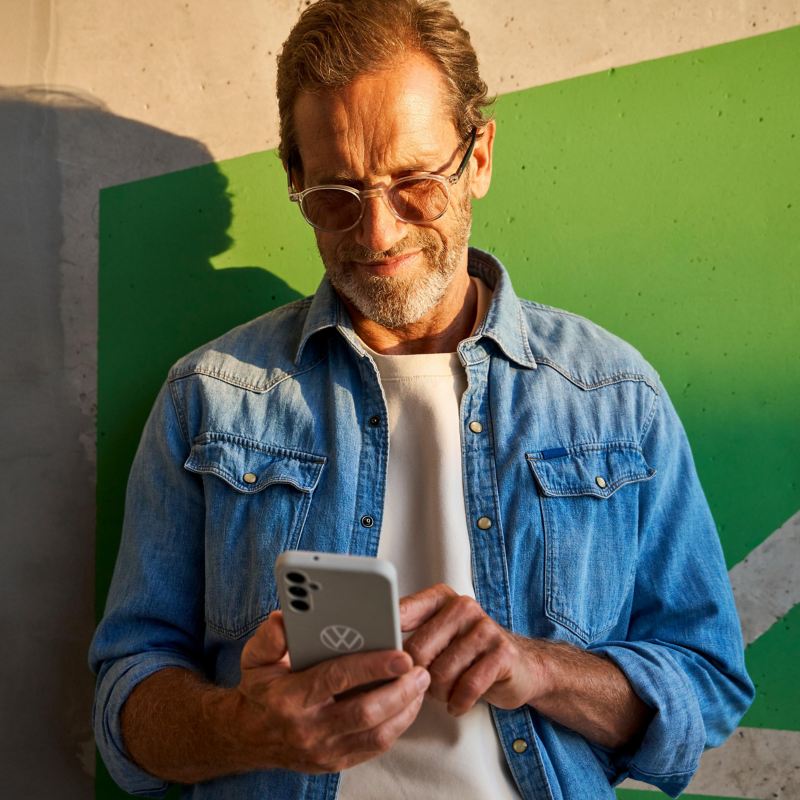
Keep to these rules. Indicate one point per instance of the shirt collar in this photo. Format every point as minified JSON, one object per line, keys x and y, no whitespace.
{"x":503,"y":324}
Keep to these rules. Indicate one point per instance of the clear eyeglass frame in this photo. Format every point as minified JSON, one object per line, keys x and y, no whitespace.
{"x":386,"y":191}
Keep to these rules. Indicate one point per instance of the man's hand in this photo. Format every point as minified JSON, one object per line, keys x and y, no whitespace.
{"x":469,"y":656}
{"x":295,"y":721}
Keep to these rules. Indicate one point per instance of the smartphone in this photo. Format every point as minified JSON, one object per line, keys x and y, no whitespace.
{"x":336,"y":604}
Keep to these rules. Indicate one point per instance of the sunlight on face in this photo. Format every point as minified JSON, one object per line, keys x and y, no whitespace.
{"x":380,"y":127}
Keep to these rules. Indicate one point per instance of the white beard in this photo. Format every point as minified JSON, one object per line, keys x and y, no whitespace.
{"x":398,"y":301}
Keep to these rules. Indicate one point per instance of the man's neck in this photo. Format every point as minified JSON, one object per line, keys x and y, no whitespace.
{"x":440,"y":331}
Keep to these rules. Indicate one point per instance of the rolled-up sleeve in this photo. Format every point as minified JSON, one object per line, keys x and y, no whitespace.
{"x":683,"y":653}
{"x":154,"y":612}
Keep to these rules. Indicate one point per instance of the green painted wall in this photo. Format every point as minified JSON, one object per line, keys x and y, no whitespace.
{"x":661,"y":200}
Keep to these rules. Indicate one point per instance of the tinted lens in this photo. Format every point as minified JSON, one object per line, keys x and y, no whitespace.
{"x":419,"y":200}
{"x":331,"y":209}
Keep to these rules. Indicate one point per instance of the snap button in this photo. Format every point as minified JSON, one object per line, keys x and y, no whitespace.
{"x":519,"y":746}
{"x":249,"y":477}
{"x":484,"y":523}
{"x":475,"y":426}
{"x":367,"y":521}
{"x":375,"y":421}
{"x":601,"y":481}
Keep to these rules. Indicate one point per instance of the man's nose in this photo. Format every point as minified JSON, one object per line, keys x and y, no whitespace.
{"x":379,"y":229}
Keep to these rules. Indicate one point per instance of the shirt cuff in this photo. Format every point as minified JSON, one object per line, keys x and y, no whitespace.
{"x":114,"y":686}
{"x":669,"y":752}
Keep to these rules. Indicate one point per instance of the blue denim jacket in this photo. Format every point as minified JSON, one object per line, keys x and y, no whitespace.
{"x":600,"y":534}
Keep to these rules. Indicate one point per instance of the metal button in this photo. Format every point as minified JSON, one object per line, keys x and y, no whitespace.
{"x":484,"y":523}
{"x":367,"y":521}
{"x":475,"y":427}
{"x":519,"y":746}
{"x":375,"y":421}
{"x":249,"y":477}
{"x":601,"y":481}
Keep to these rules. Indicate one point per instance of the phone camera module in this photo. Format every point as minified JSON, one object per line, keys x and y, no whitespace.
{"x":297,"y":591}
{"x":295,"y":577}
{"x":299,"y":605}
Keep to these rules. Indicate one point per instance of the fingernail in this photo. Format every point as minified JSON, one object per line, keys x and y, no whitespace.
{"x":399,"y":665}
{"x":423,"y":680}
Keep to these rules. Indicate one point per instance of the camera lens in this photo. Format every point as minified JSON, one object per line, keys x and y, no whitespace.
{"x":299,"y":605}
{"x":295,"y":577}
{"x":298,"y":591}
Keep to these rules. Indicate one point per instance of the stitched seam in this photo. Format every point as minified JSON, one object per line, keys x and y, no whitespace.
{"x":235,"y":480}
{"x":650,"y":417}
{"x":623,"y":481}
{"x":184,"y":428}
{"x":270,"y":449}
{"x":233,"y":380}
{"x":590,"y":446}
{"x":618,"y":377}
{"x":237,"y":633}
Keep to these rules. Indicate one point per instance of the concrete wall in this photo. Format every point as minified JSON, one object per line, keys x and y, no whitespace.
{"x":99,"y":94}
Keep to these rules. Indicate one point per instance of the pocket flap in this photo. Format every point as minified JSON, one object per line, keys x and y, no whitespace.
{"x":597,"y":470}
{"x":251,"y":466}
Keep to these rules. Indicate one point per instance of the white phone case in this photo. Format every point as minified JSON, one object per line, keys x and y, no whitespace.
{"x":336,"y":604}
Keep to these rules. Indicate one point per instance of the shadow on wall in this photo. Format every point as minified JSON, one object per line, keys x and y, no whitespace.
{"x":58,"y":149}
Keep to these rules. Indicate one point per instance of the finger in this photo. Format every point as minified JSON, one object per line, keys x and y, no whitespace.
{"x":421,"y":606}
{"x":454,"y":619}
{"x":474,"y":684}
{"x":371,"y":709}
{"x":338,"y":675}
{"x":267,"y":645}
{"x":367,"y":744}
{"x":460,"y":655}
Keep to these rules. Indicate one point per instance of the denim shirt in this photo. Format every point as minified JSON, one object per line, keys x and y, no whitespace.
{"x":600,"y":534}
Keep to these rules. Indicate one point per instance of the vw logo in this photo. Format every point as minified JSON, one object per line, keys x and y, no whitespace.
{"x":341,"y":638}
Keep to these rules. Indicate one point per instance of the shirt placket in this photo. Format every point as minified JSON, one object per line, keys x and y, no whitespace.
{"x":489,"y":567}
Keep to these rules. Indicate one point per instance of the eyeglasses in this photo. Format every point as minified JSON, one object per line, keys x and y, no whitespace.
{"x":416,"y":198}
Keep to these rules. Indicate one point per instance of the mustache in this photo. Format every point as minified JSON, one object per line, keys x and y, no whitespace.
{"x":356,"y":252}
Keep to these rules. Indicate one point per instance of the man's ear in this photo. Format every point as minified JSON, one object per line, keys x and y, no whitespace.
{"x":482,"y":161}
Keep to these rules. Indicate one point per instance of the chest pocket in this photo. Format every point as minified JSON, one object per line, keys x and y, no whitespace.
{"x":589,"y":499}
{"x":257,"y":500}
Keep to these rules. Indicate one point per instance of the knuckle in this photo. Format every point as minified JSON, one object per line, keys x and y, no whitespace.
{"x":439,"y":672}
{"x":381,"y":739}
{"x":465,"y":604}
{"x":416,"y":650}
{"x":471,"y":687}
{"x":365,"y":715}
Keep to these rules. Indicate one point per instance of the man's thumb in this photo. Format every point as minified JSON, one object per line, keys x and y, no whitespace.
{"x":267,"y":645}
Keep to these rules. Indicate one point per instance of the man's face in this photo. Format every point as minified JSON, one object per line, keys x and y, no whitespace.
{"x":382,"y":127}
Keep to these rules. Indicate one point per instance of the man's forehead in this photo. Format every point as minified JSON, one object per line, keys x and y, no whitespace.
{"x":387,"y":120}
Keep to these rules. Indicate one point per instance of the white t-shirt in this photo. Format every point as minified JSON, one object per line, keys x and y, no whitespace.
{"x":424,"y":534}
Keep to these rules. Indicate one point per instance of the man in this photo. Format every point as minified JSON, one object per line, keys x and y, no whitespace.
{"x":569,"y":616}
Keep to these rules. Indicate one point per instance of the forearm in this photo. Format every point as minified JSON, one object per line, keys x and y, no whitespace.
{"x":587,"y":693}
{"x":181,"y":729}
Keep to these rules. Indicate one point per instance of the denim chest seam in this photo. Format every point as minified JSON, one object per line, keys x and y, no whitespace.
{"x":233,"y":380}
{"x":609,"y":380}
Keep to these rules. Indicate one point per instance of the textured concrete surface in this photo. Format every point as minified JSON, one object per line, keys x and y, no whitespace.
{"x":185,"y":67}
{"x":766,"y":583}
{"x":100,"y":93}
{"x":56,"y":150}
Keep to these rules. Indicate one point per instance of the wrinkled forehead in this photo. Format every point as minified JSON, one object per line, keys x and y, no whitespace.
{"x":396,"y":119}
